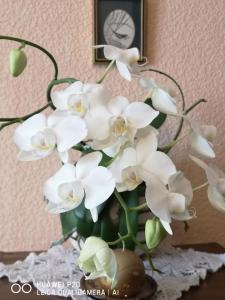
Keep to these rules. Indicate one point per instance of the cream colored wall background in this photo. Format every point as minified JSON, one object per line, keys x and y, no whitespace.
{"x":185,"y":38}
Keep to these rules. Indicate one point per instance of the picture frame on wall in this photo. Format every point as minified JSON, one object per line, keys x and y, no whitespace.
{"x":118,"y":23}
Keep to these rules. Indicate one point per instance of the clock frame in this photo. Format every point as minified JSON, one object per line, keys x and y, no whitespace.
{"x":131,"y":11}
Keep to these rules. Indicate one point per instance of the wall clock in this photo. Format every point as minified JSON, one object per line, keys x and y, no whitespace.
{"x":119,"y":23}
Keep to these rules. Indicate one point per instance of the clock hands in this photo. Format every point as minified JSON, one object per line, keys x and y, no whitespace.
{"x":119,"y":35}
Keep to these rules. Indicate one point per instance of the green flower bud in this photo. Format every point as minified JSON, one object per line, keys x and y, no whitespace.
{"x":17,"y":62}
{"x":154,"y":233}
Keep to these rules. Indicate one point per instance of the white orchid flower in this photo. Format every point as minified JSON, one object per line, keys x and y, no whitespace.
{"x":126,"y":59}
{"x":172,"y":202}
{"x":114,"y":124}
{"x":38,"y":136}
{"x":216,"y":180}
{"x":161,"y":100}
{"x":77,"y":98}
{"x":201,"y":138}
{"x":137,"y":164}
{"x":99,"y":260}
{"x":71,"y":184}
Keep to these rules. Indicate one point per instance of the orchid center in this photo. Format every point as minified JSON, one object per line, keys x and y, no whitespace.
{"x":119,"y":126}
{"x":72,"y":193}
{"x":176,"y":205}
{"x":130,"y":178}
{"x":44,"y":141}
{"x":77,"y":105}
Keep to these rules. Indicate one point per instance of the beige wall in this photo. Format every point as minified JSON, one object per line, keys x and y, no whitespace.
{"x":185,"y":38}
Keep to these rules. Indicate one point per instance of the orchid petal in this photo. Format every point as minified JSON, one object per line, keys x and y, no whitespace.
{"x":148,"y":83}
{"x":59,"y":98}
{"x":140,"y":114}
{"x":160,"y":165}
{"x":99,"y":186}
{"x":146,"y":146}
{"x":163,"y":102}
{"x":24,"y":132}
{"x":216,"y":199}
{"x":94,"y":214}
{"x":129,"y":56}
{"x":97,"y":121}
{"x":67,"y":173}
{"x":167,"y":227}
{"x":201,"y":145}
{"x":176,"y":203}
{"x":179,"y":184}
{"x":111,"y":52}
{"x":157,"y":200}
{"x":123,"y":70}
{"x":128,"y":158}
{"x":209,"y":132}
{"x":87,"y":163}
{"x":64,"y":156}
{"x":69,"y":132}
{"x":117,"y":105}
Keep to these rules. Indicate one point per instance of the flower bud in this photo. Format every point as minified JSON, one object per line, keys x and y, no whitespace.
{"x":97,"y":259}
{"x":17,"y":62}
{"x":154,"y":233}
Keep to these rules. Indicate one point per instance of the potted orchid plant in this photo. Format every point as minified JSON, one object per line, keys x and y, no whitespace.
{"x":121,"y":172}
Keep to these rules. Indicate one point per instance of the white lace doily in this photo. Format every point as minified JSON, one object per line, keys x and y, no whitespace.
{"x":56,"y":272}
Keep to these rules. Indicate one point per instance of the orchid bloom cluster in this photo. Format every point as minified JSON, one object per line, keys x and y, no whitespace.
{"x":119,"y":152}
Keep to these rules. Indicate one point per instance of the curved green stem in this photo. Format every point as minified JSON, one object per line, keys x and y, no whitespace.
{"x":56,"y":82}
{"x":194,"y":105}
{"x":11,"y":121}
{"x":22,"y":41}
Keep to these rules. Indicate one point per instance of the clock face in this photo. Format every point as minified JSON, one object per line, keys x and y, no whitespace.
{"x":119,"y":29}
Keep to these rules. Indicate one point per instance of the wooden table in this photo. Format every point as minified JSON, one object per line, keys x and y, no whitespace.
{"x":213,"y":288}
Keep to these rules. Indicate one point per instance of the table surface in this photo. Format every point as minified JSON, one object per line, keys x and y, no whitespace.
{"x":211,"y":288}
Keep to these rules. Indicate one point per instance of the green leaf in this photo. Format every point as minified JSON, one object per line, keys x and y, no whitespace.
{"x":158,"y":121}
{"x":80,"y":217}
{"x":131,"y":199}
{"x":68,"y":222}
{"x":109,"y":221}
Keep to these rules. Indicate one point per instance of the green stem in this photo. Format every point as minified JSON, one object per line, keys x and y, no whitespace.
{"x":169,"y":146}
{"x":194,"y":105}
{"x":106,"y":72}
{"x":56,"y":82}
{"x":13,"y":120}
{"x":122,"y":238}
{"x":64,"y":238}
{"x":22,"y":41}
{"x":10,"y":121}
{"x":125,"y":208}
{"x":146,"y":252}
{"x":129,"y":230}
{"x":197,"y":188}
{"x":137,"y":208}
